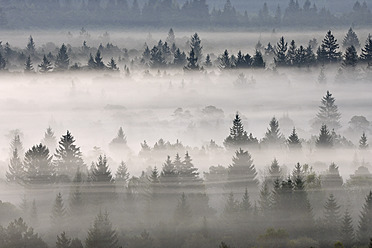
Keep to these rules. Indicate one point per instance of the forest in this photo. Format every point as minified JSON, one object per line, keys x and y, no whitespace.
{"x":201,"y":138}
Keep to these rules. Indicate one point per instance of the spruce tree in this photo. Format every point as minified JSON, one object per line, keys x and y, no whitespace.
{"x":188,"y":174}
{"x":101,"y":172}
{"x":325,"y":138}
{"x":183,"y":212}
{"x":62,"y":59}
{"x":245,"y":205}
{"x":273,"y":135}
{"x":291,"y":54}
{"x":28,"y":65}
{"x":265,"y":200}
{"x":350,"y":58}
{"x":363,"y":142}
{"x":231,"y":205}
{"x":49,"y":139}
{"x":16,"y":143}
{"x":208,"y":61}
{"x":63,"y":241}
{"x":101,"y":234}
{"x":332,"y":217}
{"x":365,"y":221}
{"x":347,"y":235}
{"x":242,"y":173}
{"x":322,"y":79}
{"x":75,"y":198}
{"x":293,"y":141}
{"x":38,"y":165}
{"x":366,"y":55}
{"x":30,"y":46}
{"x":238,"y":136}
{"x":2,"y":62}
{"x":351,"y":39}
{"x":68,"y":158}
{"x":179,"y":58}
{"x":157,"y":59}
{"x":120,"y":140}
{"x":112,"y":65}
{"x":328,"y":113}
{"x":275,"y":172}
{"x":98,"y":60}
{"x":192,"y":61}
{"x":195,"y":45}
{"x":280,"y":53}
{"x":257,"y":60}
{"x":58,"y":211}
{"x":330,"y":46}
{"x":122,"y":174}
{"x":16,"y":171}
{"x":45,"y":65}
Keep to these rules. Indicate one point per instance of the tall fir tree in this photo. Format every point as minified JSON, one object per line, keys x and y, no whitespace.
{"x":76,"y":195}
{"x":58,"y":211}
{"x":363,"y":142}
{"x":347,"y":234}
{"x":330,"y":48}
{"x":231,"y":205}
{"x":62,"y":60}
{"x":332,"y":219}
{"x":49,"y":139}
{"x":101,"y":234}
{"x":45,"y":66}
{"x":365,"y":221}
{"x":195,"y":45}
{"x":273,"y":137}
{"x":293,"y":141}
{"x":16,"y":171}
{"x":351,"y":39}
{"x":280,"y":53}
{"x":183,"y":211}
{"x":28,"y":65}
{"x":238,"y":136}
{"x":245,"y":205}
{"x":68,"y":158}
{"x":366,"y":55}
{"x":325,"y":138}
{"x":192,"y":63}
{"x":38,"y":165}
{"x":63,"y":241}
{"x":122,"y":174}
{"x":328,"y":113}
{"x":350,"y":60}
{"x":30,"y":46}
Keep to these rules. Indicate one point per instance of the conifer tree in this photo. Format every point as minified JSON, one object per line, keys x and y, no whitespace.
{"x":347,"y":235}
{"x":16,"y":143}
{"x":365,"y":221}
{"x":76,"y":200}
{"x":242,"y":173}
{"x":58,"y":211}
{"x":232,"y":205}
{"x":63,"y":241}
{"x":180,"y":58}
{"x":245,"y":205}
{"x":171,"y":39}
{"x":192,"y":61}
{"x":112,"y":65}
{"x":68,"y":158}
{"x":122,"y":174}
{"x":332,"y":178}
{"x":34,"y":214}
{"x":49,"y":139}
{"x":366,"y":55}
{"x":330,"y":46}
{"x":291,"y":54}
{"x":28,"y":65}
{"x":275,"y":172}
{"x":101,"y":171}
{"x":183,"y":212}
{"x":101,"y":234}
{"x":225,"y":62}
{"x":280,"y":53}
{"x":363,"y":142}
{"x":265,"y":200}
{"x":62,"y":59}
{"x":2,"y":62}
{"x":208,"y":61}
{"x":293,"y":141}
{"x":350,"y":58}
{"x":238,"y":136}
{"x":45,"y":65}
{"x":351,"y":39}
{"x":30,"y":46}
{"x":257,"y":61}
{"x":38,"y":165}
{"x":332,"y":217}
{"x":188,"y":173}
{"x":273,"y":135}
{"x":322,"y":79}
{"x":98,"y":60}
{"x":195,"y":45}
{"x":325,"y":138}
{"x":120,"y":138}
{"x":16,"y":171}
{"x":328,"y":113}
{"x":157,"y":59}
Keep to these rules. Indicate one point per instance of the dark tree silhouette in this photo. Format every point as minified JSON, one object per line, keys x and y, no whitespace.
{"x":325,"y":138}
{"x":101,"y":234}
{"x":328,"y":113}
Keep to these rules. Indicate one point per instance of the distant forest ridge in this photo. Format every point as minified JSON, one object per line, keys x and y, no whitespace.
{"x":17,"y":14}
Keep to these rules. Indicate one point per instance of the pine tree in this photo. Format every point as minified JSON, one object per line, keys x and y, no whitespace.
{"x":258,"y":61}
{"x":188,"y":173}
{"x":68,"y":158}
{"x":28,"y":65}
{"x":45,"y":65}
{"x":350,"y":58}
{"x":325,"y":138}
{"x":192,"y":61}
{"x":245,"y":205}
{"x":330,"y":46}
{"x":112,"y":65}
{"x":275,"y":172}
{"x":347,"y":235}
{"x":366,"y":55}
{"x":328,"y":113}
{"x":58,"y":211}
{"x":63,"y":241}
{"x":120,"y":138}
{"x":351,"y":39}
{"x":101,"y":234}
{"x":157,"y":59}
{"x":232,"y":205}
{"x":183,"y":212}
{"x":242,"y":172}
{"x":363,"y":142}
{"x":332,"y":218}
{"x":49,"y":139}
{"x":101,"y":172}
{"x":280,"y":53}
{"x":122,"y":174}
{"x":365,"y":222}
{"x":273,"y":135}
{"x":16,"y":171}
{"x":38,"y":165}
{"x":225,"y":62}
{"x":62,"y":59}
{"x":99,"y":65}
{"x":265,"y":200}
{"x":293,"y":141}
{"x":30,"y":46}
{"x":291,"y":54}
{"x":238,"y":136}
{"x":195,"y":44}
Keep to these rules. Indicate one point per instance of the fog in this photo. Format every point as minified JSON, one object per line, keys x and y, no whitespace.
{"x":191,"y":108}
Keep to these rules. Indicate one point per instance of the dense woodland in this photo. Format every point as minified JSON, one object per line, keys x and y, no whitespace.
{"x":162,"y":13}
{"x":67,"y":203}
{"x":352,"y":57}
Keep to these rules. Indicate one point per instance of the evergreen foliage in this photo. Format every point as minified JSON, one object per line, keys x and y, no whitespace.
{"x":238,"y":136}
{"x":328,"y":113}
{"x":101,"y":234}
